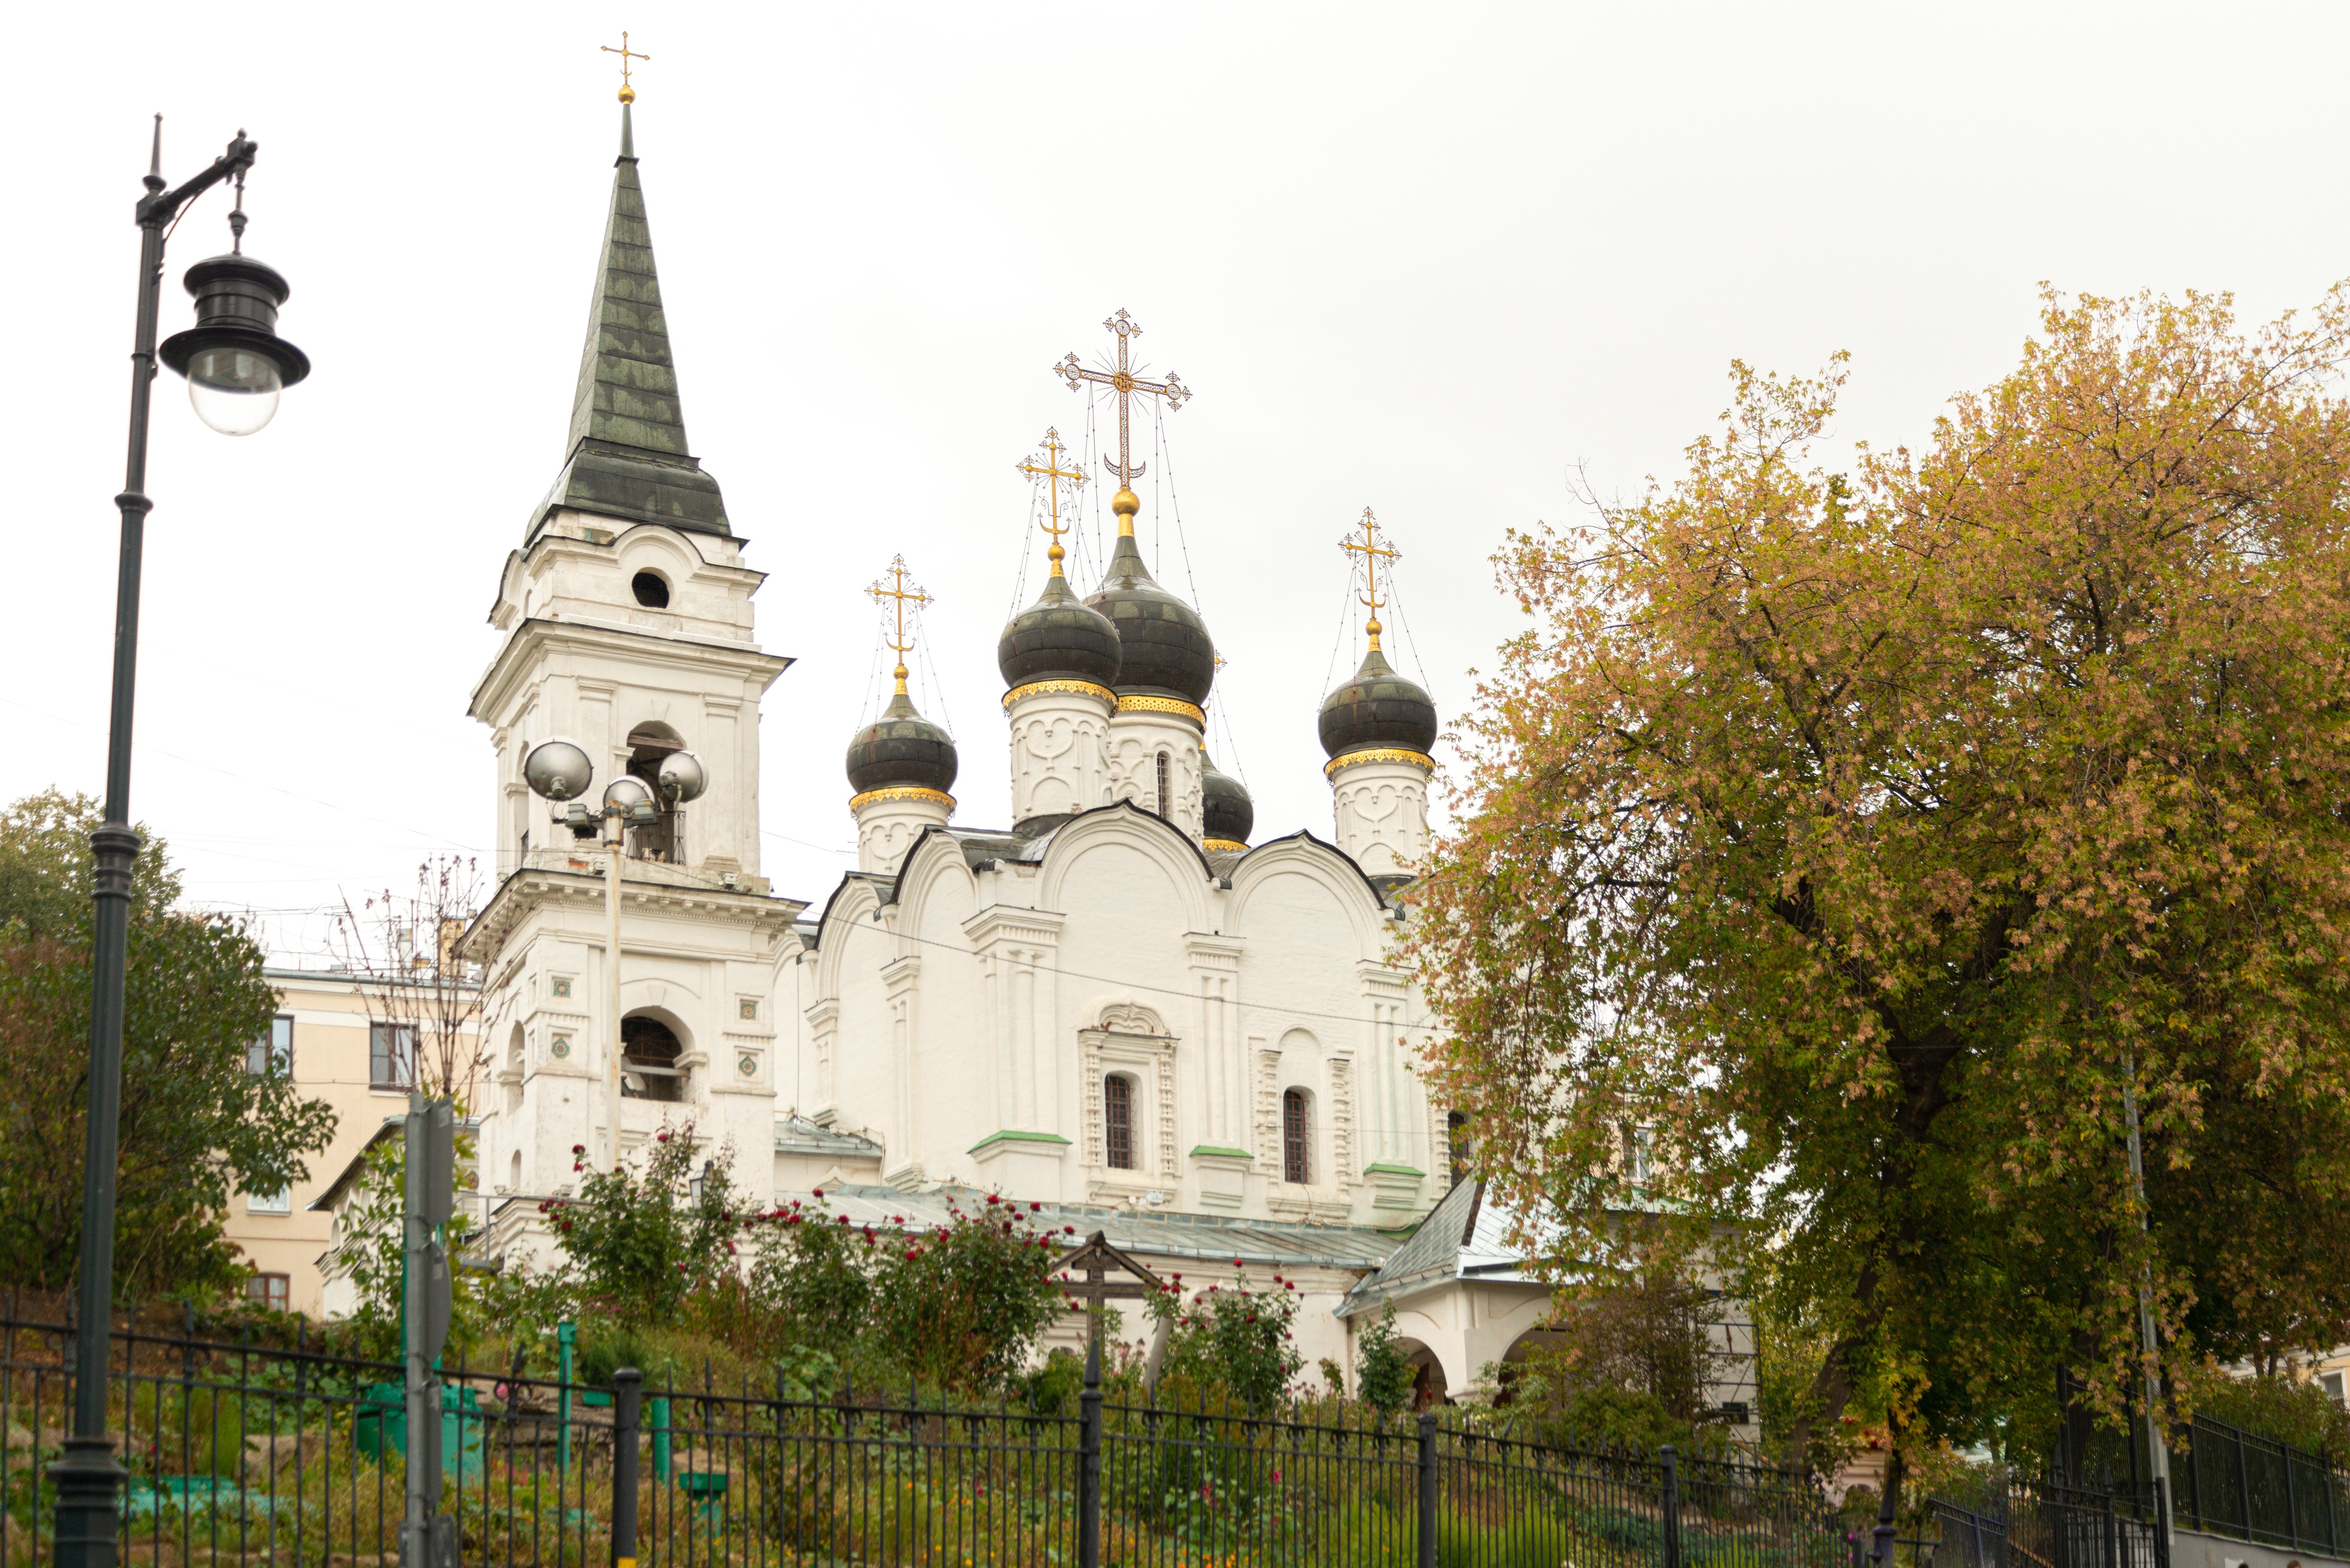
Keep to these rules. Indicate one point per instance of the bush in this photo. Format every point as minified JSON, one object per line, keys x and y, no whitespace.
{"x":1236,"y":1339}
{"x":638,"y":1245}
{"x":2284,"y":1410}
{"x":1382,"y":1371}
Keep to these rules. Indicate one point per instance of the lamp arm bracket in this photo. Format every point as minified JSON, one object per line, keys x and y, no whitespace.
{"x":160,"y":207}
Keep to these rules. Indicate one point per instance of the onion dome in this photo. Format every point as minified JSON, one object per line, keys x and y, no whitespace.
{"x":902,"y":750}
{"x":1226,"y":811}
{"x":1058,"y":638}
{"x":1377,"y":708}
{"x":1163,"y":646}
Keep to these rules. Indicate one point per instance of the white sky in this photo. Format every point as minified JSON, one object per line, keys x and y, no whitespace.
{"x":1422,"y":258}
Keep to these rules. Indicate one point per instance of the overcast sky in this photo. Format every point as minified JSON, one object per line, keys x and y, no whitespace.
{"x":1425,"y":259}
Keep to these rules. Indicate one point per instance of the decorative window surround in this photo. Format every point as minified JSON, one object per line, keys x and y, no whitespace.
{"x":1133,"y":1039}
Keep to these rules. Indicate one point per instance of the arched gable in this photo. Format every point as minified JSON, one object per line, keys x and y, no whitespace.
{"x":1160,"y":842}
{"x":852,"y":903}
{"x":932,"y":867}
{"x":1330,"y":870}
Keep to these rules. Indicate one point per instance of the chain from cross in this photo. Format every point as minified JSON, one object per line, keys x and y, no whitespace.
{"x":1372,"y":553}
{"x":1052,"y":472}
{"x":627,"y":93}
{"x":1124,"y":380}
{"x":895,"y":589}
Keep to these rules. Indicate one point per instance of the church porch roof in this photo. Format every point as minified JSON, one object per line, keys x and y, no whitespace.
{"x":1464,"y":1240}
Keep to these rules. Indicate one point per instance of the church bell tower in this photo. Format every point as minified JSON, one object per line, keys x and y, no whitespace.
{"x":626,"y":627}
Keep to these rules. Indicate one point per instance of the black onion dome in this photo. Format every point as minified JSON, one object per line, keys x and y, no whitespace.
{"x":900,"y":750}
{"x":1163,"y":646}
{"x":1378,"y":708}
{"x":1058,"y":638}
{"x":1225,"y":805}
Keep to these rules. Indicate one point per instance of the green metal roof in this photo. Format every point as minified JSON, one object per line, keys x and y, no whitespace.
{"x":626,"y":455}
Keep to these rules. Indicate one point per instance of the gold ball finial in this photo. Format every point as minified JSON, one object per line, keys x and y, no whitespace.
{"x":628,"y":95}
{"x":1125,"y":502}
{"x":1055,"y":555}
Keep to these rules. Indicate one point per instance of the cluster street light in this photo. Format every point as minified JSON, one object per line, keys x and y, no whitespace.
{"x":559,"y":772}
{"x":235,"y":365}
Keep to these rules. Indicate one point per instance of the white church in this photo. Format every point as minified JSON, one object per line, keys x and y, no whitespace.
{"x":1122,"y":1003}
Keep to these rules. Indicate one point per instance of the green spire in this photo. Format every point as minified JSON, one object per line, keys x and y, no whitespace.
{"x":627,"y":456}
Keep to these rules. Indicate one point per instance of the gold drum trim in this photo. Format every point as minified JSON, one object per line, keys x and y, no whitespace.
{"x":1419,"y":760}
{"x":901,"y":791}
{"x":1074,"y":687}
{"x":1174,"y":705}
{"x":1226,"y":846}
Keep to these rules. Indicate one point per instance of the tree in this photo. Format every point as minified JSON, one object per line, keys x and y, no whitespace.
{"x":196,"y":1125}
{"x":403,"y":951}
{"x":1382,"y":1370}
{"x":1867,"y":837}
{"x":639,"y":1244}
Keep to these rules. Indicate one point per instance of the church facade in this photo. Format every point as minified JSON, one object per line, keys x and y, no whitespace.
{"x":1121,"y":1004}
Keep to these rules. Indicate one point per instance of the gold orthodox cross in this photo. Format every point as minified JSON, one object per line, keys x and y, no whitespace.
{"x":1124,"y":381}
{"x":898,"y":590}
{"x":627,"y":93}
{"x":1372,"y":553}
{"x":1052,"y":474}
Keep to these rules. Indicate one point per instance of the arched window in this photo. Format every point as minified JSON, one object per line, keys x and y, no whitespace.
{"x":649,"y":1053}
{"x":1296,"y":1132}
{"x":1118,"y":1122}
{"x":1166,"y":790}
{"x":649,"y":744}
{"x":514,"y":1181}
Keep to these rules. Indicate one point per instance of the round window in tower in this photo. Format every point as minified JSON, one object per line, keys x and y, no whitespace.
{"x":651,"y":590}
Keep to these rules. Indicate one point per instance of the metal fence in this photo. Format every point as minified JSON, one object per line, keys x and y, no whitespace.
{"x":2233,"y":1483}
{"x":270,"y":1455}
{"x":2045,"y":1524}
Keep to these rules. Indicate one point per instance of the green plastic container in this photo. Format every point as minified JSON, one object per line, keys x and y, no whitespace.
{"x":384,"y":1419}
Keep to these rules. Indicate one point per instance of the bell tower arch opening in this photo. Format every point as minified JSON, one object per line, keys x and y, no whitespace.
{"x":648,"y":744}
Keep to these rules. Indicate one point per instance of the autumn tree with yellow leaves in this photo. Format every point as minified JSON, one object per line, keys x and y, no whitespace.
{"x":1865,"y":832}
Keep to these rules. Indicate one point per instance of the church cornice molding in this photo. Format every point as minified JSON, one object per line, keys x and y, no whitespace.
{"x":529,"y":636}
{"x":1411,"y":759}
{"x":1000,"y":923}
{"x":531,"y":890}
{"x":1102,"y":694}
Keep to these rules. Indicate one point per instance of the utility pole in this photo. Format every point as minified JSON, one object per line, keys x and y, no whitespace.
{"x":427,"y":1540}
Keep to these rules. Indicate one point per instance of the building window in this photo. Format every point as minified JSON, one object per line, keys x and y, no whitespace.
{"x":1118,"y":1122}
{"x":1296,"y":1152}
{"x":269,"y":1290}
{"x":1166,"y":790}
{"x":274,"y":1051}
{"x":1457,"y":1142}
{"x":649,"y":1053}
{"x":278,"y":1202}
{"x":2331,"y":1383}
{"x":391,"y":1056}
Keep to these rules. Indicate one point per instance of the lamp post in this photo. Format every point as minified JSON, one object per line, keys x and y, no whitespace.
{"x":235,"y":365}
{"x":559,"y":772}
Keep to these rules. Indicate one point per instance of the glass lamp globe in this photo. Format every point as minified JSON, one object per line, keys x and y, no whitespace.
{"x":557,"y":770}
{"x":234,"y":390}
{"x":683,"y":777}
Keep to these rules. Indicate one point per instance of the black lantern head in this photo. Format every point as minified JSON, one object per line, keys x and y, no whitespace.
{"x":233,"y":358}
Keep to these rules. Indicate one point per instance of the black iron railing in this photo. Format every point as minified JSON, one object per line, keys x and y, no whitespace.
{"x":2233,"y":1483}
{"x":278,"y":1454}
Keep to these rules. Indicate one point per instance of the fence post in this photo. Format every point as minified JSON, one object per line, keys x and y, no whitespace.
{"x":1089,"y":1460}
{"x":2244,"y":1488}
{"x":628,"y":1395}
{"x":1426,"y":1556}
{"x":1672,"y":1458}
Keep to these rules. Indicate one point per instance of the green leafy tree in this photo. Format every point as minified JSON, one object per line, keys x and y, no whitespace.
{"x":196,"y":1126}
{"x":637,"y":1244}
{"x":1382,"y":1370}
{"x":1871,"y":837}
{"x":1232,"y":1338}
{"x":961,"y":1305}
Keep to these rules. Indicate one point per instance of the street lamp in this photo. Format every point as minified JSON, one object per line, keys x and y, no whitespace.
{"x":236,"y":364}
{"x":559,"y":771}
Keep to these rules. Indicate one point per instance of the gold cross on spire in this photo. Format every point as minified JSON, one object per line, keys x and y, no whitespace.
{"x":897,"y":590}
{"x":1372,"y":553}
{"x":1052,"y":472}
{"x":627,"y":93}
{"x":1123,"y":380}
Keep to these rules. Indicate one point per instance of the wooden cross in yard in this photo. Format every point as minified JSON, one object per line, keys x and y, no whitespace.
{"x":1095,"y":1259}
